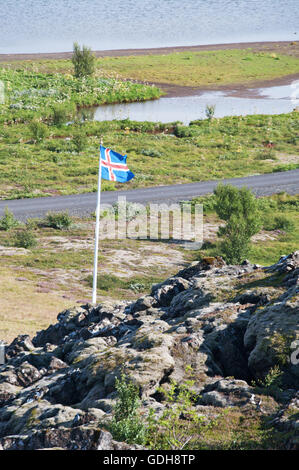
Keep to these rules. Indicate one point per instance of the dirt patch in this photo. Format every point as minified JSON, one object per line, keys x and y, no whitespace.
{"x":146,"y":258}
{"x":285,"y":158}
{"x":11,"y":251}
{"x":66,"y":244}
{"x":237,"y":90}
{"x":266,"y":236}
{"x":211,"y":229}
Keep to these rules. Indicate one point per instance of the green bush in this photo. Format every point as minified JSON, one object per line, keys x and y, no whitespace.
{"x":79,"y":140}
{"x":184,"y":131}
{"x":39,"y":131}
{"x":271,"y":384}
{"x":279,"y":222}
{"x":239,"y":208}
{"x":180,"y":425}
{"x":32,"y":223}
{"x":83,"y":61}
{"x":58,"y":220}
{"x":208,"y":203}
{"x":235,"y":245}
{"x":61,"y":112}
{"x":126,"y":424}
{"x":25,"y":239}
{"x":8,"y":220}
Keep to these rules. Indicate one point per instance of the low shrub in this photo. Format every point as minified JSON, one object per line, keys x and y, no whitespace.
{"x":61,"y":112}
{"x":126,"y":424}
{"x":271,"y":384}
{"x":184,"y":131}
{"x":8,"y":220}
{"x":208,"y":202}
{"x":39,"y":130}
{"x":180,"y":424}
{"x":79,"y":140}
{"x":280,"y":222}
{"x":58,"y":220}
{"x":25,"y":239}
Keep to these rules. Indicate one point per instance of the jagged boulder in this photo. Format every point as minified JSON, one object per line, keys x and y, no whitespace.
{"x":270,"y":333}
{"x":164,"y":293}
{"x":65,"y":439}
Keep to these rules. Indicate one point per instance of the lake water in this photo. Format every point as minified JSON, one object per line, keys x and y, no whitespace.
{"x":53,"y":25}
{"x":272,"y":100}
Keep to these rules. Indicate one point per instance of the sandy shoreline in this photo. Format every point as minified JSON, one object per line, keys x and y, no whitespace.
{"x":155,"y":51}
{"x":237,"y":90}
{"x":242,"y":90}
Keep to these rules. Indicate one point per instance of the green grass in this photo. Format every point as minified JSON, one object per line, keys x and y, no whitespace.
{"x":202,"y":68}
{"x":42,"y":160}
{"x":114,"y":285}
{"x":209,"y":68}
{"x":221,"y":148}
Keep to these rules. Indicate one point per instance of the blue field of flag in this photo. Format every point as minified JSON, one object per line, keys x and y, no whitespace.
{"x":114,"y":166}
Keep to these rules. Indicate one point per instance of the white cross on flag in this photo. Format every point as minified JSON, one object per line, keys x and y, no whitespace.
{"x":114,"y":166}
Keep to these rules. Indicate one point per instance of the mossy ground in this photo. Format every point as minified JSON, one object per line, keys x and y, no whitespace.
{"x":239,"y":429}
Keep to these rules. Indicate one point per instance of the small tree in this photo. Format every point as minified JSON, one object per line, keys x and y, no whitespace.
{"x":126,"y":424}
{"x":8,"y":221}
{"x":179,"y":425}
{"x":83,"y":61}
{"x":239,"y":208}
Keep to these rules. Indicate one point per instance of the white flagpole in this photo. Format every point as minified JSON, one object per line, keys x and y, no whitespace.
{"x":97,"y":233}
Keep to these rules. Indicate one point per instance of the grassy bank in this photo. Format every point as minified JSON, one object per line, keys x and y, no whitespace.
{"x":158,"y":154}
{"x":210,"y":68}
{"x":202,"y":68}
{"x":31,"y":94}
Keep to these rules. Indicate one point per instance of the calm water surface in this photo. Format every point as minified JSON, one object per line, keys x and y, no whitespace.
{"x":272,"y":100}
{"x":53,"y":25}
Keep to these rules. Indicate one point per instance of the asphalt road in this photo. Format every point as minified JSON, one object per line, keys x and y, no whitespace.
{"x":84,"y":204}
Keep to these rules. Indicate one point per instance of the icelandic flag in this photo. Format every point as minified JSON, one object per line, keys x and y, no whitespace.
{"x":114,"y":166}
